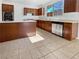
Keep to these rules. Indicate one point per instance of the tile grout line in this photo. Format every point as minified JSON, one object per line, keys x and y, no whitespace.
{"x":75,"y":55}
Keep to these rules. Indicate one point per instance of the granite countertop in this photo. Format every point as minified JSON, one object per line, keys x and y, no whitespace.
{"x":17,"y":21}
{"x":67,"y":21}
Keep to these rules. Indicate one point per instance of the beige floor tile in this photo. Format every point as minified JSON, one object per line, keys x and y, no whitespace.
{"x":35,"y":53}
{"x":13,"y":57}
{"x":9,"y":55}
{"x":37,"y":44}
{"x":52,"y":47}
{"x":24,"y":54}
{"x":71,"y":49}
{"x":50,"y":56}
{"x":12,"y":45}
{"x":60,"y":55}
{"x":44,"y":50}
{"x":75,"y":56}
{"x":42,"y":58}
{"x":56,"y":45}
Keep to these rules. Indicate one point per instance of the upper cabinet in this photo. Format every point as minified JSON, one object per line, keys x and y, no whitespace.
{"x":33,"y":11}
{"x":71,"y":6}
{"x":30,"y":11}
{"x":7,"y":8}
{"x":39,"y":11}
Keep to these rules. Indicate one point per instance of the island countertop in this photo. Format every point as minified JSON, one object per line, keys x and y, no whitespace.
{"x":17,"y":21}
{"x":59,"y":20}
{"x":33,"y":20}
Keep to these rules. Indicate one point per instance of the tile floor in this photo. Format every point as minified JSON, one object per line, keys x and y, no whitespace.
{"x":42,"y":46}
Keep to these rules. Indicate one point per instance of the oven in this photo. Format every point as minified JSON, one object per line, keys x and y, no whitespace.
{"x":7,"y":16}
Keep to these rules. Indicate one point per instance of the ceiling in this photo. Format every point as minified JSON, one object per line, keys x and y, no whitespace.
{"x":32,"y":2}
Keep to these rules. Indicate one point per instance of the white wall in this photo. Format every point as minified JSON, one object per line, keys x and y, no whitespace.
{"x":18,"y":12}
{"x":0,"y":10}
{"x":78,"y":31}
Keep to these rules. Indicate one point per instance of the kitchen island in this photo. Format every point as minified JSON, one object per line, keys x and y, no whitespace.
{"x":11,"y":30}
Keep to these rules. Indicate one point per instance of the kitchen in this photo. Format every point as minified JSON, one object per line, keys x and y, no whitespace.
{"x":23,"y":19}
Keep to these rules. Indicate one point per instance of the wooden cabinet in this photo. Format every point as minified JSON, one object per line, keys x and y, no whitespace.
{"x":7,"y":8}
{"x":30,"y":10}
{"x":27,"y":29}
{"x":46,"y":25}
{"x":70,"y":31}
{"x":71,"y":6}
{"x":35,"y":12}
{"x":8,"y":31}
{"x":39,"y":11}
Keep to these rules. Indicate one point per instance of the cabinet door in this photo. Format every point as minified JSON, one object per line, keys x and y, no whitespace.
{"x":27,"y":29}
{"x":33,"y":11}
{"x":40,"y":24}
{"x":11,"y":30}
{"x":1,"y":33}
{"x":37,"y":24}
{"x":74,"y":30}
{"x":39,"y":11}
{"x":43,"y":25}
{"x":47,"y":26}
{"x":77,"y":6}
{"x":67,"y":31}
{"x":7,"y":8}
{"x":8,"y":32}
{"x":69,"y":6}
{"x":70,"y":31}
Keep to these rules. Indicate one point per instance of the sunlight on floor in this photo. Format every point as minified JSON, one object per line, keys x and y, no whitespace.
{"x":36,"y":38}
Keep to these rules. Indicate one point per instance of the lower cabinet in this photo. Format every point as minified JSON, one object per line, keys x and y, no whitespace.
{"x":8,"y":31}
{"x":27,"y":29}
{"x":69,"y":31}
{"x":46,"y":25}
